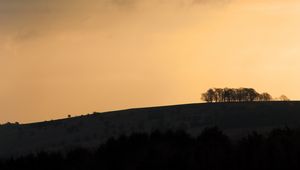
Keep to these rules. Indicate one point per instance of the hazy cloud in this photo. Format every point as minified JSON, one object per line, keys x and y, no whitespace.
{"x":26,"y":35}
{"x":24,"y":20}
{"x":211,"y":2}
{"x":124,"y":3}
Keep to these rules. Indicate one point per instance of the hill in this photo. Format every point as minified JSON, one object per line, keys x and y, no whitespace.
{"x":235,"y":119}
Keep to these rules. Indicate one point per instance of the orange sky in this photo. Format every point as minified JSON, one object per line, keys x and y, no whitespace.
{"x":61,"y":57}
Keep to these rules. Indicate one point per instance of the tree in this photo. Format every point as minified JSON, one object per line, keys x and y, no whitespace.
{"x":239,"y":94}
{"x":264,"y":97}
{"x":232,"y":95}
{"x":219,"y":95}
{"x":250,"y":94}
{"x":284,"y":98}
{"x":227,"y":95}
{"x":208,"y":96}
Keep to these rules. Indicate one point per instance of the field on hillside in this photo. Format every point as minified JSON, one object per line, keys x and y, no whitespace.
{"x":236,"y":119}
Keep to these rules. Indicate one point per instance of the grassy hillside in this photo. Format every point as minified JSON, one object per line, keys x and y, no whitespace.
{"x":89,"y":131}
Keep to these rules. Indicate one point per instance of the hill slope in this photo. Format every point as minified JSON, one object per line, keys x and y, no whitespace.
{"x":92,"y":130}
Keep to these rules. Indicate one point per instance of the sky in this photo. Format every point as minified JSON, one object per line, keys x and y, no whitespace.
{"x":73,"y":57}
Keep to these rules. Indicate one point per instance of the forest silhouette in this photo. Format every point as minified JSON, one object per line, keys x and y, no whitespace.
{"x":212,"y":149}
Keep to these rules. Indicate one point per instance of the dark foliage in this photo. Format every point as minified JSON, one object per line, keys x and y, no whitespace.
{"x":211,"y":150}
{"x":234,"y":95}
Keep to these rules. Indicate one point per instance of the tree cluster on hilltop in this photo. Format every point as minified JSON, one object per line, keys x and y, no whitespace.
{"x":234,"y":95}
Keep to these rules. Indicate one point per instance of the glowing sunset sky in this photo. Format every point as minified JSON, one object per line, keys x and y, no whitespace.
{"x":61,"y":57}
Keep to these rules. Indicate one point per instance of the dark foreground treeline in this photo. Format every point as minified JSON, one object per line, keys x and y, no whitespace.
{"x":280,"y":149}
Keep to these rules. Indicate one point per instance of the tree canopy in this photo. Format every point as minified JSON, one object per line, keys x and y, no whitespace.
{"x":234,"y":95}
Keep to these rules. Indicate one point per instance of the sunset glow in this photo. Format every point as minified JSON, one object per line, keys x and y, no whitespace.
{"x":61,"y":57}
